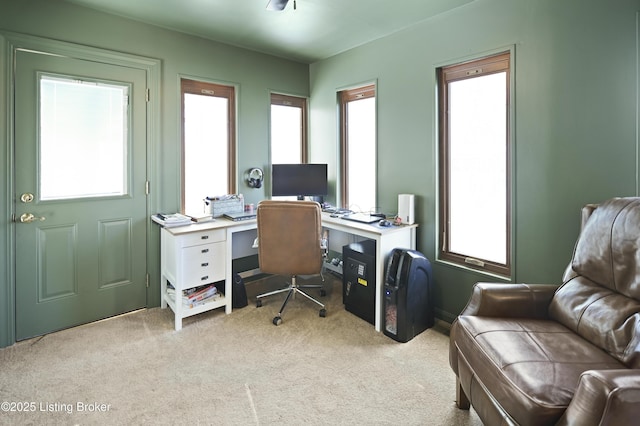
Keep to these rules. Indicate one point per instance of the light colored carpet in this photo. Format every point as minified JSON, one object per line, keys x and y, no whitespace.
{"x":236,"y":369}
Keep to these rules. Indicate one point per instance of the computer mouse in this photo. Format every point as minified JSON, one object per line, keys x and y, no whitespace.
{"x":384,"y":222}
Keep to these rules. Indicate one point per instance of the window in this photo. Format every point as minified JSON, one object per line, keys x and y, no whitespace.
{"x":288,"y":129}
{"x":358,"y":148}
{"x":208,"y":143}
{"x":88,"y":120}
{"x":475,"y":173}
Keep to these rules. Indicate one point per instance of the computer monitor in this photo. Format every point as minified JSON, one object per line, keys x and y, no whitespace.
{"x":299,"y":180}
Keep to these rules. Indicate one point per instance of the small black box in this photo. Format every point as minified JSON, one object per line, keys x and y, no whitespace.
{"x":359,"y":279}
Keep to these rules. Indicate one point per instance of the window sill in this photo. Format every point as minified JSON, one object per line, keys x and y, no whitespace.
{"x":479,"y":272}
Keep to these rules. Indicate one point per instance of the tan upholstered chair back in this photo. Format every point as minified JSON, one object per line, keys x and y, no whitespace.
{"x":289,"y":234}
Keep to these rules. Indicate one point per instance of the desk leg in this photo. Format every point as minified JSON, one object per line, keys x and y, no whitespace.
{"x":380,"y":261}
{"x":177,"y":317}
{"x":163,"y":292}
{"x":228,"y":273}
{"x":385,"y":244}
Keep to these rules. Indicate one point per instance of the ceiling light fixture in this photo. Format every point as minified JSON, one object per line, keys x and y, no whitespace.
{"x":279,"y":5}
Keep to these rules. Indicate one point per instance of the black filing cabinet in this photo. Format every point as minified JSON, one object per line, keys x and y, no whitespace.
{"x":359,"y":279}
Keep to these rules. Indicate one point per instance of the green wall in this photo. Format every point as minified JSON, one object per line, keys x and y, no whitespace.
{"x":574,"y":108}
{"x":254,"y":75}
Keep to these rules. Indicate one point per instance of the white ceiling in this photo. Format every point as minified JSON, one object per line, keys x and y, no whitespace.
{"x":315,"y":30}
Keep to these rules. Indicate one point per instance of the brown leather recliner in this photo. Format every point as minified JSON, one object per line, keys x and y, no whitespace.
{"x":535,"y":354}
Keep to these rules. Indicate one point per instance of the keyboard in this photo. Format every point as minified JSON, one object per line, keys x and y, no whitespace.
{"x":334,"y":210}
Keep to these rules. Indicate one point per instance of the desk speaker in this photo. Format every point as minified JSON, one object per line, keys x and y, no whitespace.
{"x":406,"y":208}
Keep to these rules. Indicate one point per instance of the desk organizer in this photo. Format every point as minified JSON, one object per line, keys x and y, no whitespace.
{"x":218,"y":206}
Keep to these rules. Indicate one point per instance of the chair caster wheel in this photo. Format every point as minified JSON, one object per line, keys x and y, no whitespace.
{"x":323,"y":313}
{"x":258,"y":303}
{"x":277,"y":320}
{"x":323,"y":292}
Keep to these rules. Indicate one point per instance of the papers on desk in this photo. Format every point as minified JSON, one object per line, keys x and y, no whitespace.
{"x":171,"y":220}
{"x":177,"y":219}
{"x":203,"y":218}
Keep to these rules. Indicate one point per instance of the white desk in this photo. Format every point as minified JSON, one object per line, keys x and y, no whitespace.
{"x":386,"y":238}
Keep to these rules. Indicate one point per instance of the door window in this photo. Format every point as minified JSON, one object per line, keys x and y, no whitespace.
{"x":83,"y":138}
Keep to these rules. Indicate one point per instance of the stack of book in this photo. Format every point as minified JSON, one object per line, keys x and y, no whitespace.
{"x":171,"y":220}
{"x":202,"y":218}
{"x":196,"y":296}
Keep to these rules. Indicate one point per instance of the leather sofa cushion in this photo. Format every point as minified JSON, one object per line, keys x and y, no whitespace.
{"x":532,"y":366}
{"x":605,"y":318}
{"x":601,"y":298}
{"x":607,"y":251}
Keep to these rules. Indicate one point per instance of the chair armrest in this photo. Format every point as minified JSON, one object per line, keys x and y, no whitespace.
{"x":510,"y":300}
{"x":605,"y":397}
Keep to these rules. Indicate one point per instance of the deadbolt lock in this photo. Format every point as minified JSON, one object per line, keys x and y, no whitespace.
{"x":26,"y":197}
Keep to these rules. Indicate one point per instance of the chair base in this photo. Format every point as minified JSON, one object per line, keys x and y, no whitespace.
{"x":292,"y":290}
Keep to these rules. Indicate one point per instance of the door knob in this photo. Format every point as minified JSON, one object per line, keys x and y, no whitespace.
{"x":30,"y":217}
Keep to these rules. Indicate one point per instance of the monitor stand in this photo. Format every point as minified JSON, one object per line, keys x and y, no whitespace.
{"x":318,"y":198}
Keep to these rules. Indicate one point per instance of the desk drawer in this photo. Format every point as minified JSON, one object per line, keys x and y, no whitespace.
{"x":203,"y":264}
{"x":202,"y":237}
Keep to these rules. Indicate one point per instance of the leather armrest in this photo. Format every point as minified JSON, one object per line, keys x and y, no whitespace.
{"x":504,"y":301}
{"x":605,"y":397}
{"x":510,"y":300}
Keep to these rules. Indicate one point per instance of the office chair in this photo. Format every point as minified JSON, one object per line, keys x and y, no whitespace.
{"x":289,"y":243}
